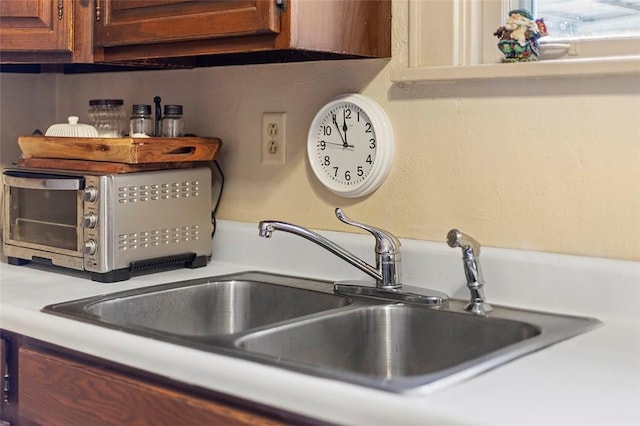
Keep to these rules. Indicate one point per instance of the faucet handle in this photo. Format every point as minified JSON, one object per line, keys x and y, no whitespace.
{"x":387,"y":253}
{"x":386,"y":242}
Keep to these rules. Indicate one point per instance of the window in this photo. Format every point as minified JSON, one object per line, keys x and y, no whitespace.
{"x":453,"y":39}
{"x":588,"y":28}
{"x":583,"y":19}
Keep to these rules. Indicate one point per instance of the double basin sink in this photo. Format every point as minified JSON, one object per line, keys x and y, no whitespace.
{"x":302,"y":325}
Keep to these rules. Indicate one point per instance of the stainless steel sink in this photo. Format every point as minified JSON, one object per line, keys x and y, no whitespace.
{"x":301,"y":325}
{"x":212,"y":308}
{"x":204,"y":307}
{"x":392,"y":340}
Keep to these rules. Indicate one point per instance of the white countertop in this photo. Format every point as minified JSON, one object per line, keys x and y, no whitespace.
{"x":591,"y":379}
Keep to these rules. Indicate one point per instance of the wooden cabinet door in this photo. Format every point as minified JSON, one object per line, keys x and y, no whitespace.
{"x":58,"y":391}
{"x":131,"y":22}
{"x":36,"y":25}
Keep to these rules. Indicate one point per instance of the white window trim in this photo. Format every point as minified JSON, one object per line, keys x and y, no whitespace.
{"x":446,"y":42}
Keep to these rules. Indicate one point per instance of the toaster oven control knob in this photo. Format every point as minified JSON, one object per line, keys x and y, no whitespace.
{"x":90,"y":194}
{"x":89,"y":220}
{"x":90,"y":247}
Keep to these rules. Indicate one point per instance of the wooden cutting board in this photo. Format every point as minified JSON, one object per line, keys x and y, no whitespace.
{"x":121,"y":150}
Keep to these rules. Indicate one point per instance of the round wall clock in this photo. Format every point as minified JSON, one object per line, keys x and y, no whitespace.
{"x":350,"y":145}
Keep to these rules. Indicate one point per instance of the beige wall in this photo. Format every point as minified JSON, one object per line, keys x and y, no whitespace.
{"x":538,"y":164}
{"x":27,"y":103}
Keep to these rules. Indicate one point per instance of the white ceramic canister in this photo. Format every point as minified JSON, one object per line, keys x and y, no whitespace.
{"x":72,"y":129}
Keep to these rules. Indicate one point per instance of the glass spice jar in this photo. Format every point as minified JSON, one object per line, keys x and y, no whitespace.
{"x":172,"y":121}
{"x":108,"y":117}
{"x":141,"y":123}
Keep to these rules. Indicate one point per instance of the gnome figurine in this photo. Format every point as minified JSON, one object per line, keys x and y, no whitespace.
{"x":519,"y":37}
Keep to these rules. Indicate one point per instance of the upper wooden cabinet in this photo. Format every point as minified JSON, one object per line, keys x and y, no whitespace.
{"x":276,"y":29}
{"x":50,"y":30}
{"x":36,"y":25}
{"x":192,"y":32}
{"x":129,"y":22}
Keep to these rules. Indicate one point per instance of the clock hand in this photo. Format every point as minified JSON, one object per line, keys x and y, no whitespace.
{"x":344,"y":125}
{"x":338,"y":144}
{"x":344,"y":142}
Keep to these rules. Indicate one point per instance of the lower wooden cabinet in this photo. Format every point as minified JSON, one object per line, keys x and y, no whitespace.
{"x":54,"y":390}
{"x":53,"y":387}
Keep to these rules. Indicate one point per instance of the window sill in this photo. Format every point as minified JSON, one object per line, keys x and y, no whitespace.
{"x":549,"y":68}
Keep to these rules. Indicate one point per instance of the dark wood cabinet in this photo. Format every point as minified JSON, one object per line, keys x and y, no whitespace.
{"x":191,"y":33}
{"x":127,"y":22}
{"x":51,"y":385}
{"x":82,"y":394}
{"x":36,"y":25}
{"x":171,"y":28}
{"x":51,"y":31}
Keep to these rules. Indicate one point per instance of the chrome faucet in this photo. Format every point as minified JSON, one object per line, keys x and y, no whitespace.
{"x":387,"y":270}
{"x":475,"y":282}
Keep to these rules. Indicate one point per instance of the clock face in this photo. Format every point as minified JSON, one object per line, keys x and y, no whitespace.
{"x":350,"y":145}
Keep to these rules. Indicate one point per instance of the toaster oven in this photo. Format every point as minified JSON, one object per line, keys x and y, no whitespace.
{"x":110,"y":225}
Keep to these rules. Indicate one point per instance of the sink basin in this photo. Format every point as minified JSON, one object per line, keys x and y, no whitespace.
{"x":397,"y":347}
{"x":207,"y":307}
{"x":302,"y":325}
{"x":394,"y":340}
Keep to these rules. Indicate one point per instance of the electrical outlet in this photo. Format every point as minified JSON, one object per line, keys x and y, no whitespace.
{"x":274,"y":145}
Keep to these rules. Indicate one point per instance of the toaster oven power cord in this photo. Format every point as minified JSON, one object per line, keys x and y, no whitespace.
{"x":215,"y":208}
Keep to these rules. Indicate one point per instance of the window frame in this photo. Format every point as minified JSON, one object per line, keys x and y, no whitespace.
{"x":465,"y":49}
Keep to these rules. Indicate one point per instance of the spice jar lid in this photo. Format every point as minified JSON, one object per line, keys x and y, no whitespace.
{"x":141,"y":109}
{"x":106,"y":102}
{"x":173,"y":109}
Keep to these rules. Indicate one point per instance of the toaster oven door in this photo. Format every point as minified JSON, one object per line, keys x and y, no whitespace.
{"x":43,"y":212}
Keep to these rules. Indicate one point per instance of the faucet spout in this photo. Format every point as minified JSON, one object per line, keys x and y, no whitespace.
{"x":267,"y":227}
{"x":387,"y":269}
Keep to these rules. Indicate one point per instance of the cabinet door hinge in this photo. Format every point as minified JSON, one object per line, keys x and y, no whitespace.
{"x":5,"y":384}
{"x":282,"y":4}
{"x":6,"y":387}
{"x":60,"y":10}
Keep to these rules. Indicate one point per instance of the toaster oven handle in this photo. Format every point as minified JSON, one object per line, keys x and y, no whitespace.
{"x":59,"y":184}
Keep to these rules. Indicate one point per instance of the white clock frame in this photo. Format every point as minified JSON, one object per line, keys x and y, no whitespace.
{"x":383,"y":136}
